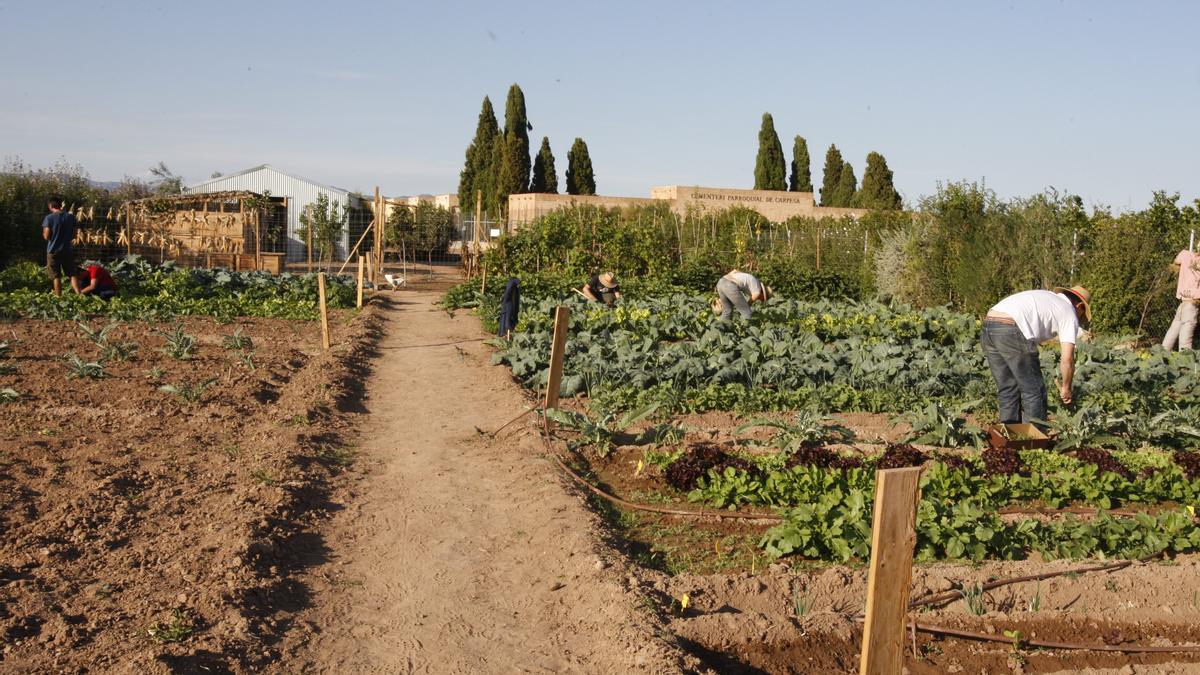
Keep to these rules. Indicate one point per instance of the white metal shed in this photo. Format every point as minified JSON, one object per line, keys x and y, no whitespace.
{"x":300,"y":192}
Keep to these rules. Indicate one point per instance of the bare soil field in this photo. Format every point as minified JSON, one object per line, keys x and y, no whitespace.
{"x":141,"y":531}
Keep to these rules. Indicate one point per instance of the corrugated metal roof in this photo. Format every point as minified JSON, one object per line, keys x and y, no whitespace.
{"x":202,"y":186}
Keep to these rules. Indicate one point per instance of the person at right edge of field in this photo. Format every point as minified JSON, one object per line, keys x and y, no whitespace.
{"x":58,"y":229}
{"x":1012,"y":331}
{"x":1187,"y":291}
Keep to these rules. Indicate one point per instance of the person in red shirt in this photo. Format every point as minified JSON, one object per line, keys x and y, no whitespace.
{"x":95,"y":280}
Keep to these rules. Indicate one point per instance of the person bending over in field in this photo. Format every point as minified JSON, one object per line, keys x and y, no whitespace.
{"x":734,"y":288}
{"x":58,"y":229}
{"x":602,"y":288}
{"x":1012,"y":331}
{"x":94,"y":280}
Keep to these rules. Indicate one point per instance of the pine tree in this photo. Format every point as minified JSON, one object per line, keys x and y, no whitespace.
{"x":878,"y":191}
{"x":514,"y":166}
{"x":769,"y":167}
{"x":545,"y":178}
{"x":847,"y":187}
{"x":580,"y":179}
{"x":801,"y":175}
{"x":833,"y":171}
{"x":476,"y":173}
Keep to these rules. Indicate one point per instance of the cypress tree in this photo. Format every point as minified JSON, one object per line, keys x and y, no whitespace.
{"x":833,"y":172}
{"x":769,"y":167}
{"x":801,"y":175}
{"x":580,"y":179}
{"x":847,"y":187}
{"x":878,"y":191}
{"x":493,"y":203}
{"x":514,"y":167}
{"x":545,"y":178}
{"x":476,"y":173}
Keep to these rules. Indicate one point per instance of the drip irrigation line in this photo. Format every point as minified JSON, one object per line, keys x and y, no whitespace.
{"x":502,"y":427}
{"x":1047,"y":644}
{"x":436,"y":344}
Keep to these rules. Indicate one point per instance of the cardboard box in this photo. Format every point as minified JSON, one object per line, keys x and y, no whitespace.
{"x":1002,"y":436}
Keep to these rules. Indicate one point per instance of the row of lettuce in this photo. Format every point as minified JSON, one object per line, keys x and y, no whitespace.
{"x":155,"y":292}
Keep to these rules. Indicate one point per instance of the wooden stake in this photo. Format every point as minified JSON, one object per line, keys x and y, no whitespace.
{"x":360,"y":281}
{"x":128,"y":229}
{"x":478,"y":224}
{"x":324,"y":310}
{"x":377,"y":245}
{"x":893,"y":538}
{"x":562,"y":318}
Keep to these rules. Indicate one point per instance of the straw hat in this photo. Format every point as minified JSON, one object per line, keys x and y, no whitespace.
{"x":1081,"y":293}
{"x":767,"y":292}
{"x":608,"y":279}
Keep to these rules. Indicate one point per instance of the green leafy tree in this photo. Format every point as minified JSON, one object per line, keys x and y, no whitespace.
{"x":801,"y":174}
{"x":478,"y":172}
{"x":326,"y":219}
{"x":832,"y":176}
{"x":847,"y":187}
{"x":580,"y":179}
{"x":769,"y":166}
{"x":545,"y":178}
{"x":514,"y":162}
{"x":169,"y":183}
{"x":878,"y":191}
{"x":424,"y":229}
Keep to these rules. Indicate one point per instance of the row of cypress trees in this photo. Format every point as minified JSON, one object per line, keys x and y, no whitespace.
{"x":839,"y":186}
{"x":498,"y":162}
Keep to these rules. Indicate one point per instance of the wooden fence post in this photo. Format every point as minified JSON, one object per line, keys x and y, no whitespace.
{"x":562,"y":318}
{"x":324,"y":310}
{"x":893,"y":538}
{"x":360,"y":281}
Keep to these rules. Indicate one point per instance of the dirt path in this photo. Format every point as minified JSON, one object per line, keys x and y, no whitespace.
{"x":461,"y":554}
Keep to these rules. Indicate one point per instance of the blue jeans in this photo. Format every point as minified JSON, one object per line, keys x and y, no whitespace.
{"x":731,"y":298}
{"x":1017,"y":371}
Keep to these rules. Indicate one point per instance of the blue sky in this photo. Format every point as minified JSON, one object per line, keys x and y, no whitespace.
{"x":1096,"y":98}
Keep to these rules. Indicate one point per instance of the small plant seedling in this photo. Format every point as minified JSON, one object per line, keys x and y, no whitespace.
{"x":4,"y":349}
{"x":1017,"y":644}
{"x":800,"y":603}
{"x":247,"y":359}
{"x":973,"y":598}
{"x":1035,"y":603}
{"x":118,"y":351}
{"x":8,"y":395}
{"x":297,"y":421}
{"x":232,"y":451}
{"x":262,"y":476}
{"x":237,"y":341}
{"x":77,"y":367}
{"x":188,"y":392}
{"x":179,"y":344}
{"x":176,"y":630}
{"x":154,"y":373}
{"x":1110,"y":585}
{"x":7,"y":368}
{"x":98,"y":336}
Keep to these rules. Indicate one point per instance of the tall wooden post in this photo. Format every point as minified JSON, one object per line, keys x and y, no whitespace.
{"x":893,"y":538}
{"x":324,"y":310}
{"x":128,"y":229}
{"x":478,"y":224}
{"x":360,"y":282}
{"x":562,"y":319}
{"x":377,"y":244}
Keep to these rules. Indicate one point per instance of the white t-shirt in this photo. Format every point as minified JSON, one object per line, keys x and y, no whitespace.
{"x":1041,"y":315}
{"x":745,"y":281}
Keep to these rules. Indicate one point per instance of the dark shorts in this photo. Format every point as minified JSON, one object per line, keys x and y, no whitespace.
{"x":106,"y":293}
{"x":61,"y":264}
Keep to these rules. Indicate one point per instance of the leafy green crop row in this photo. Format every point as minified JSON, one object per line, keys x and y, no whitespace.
{"x":159,"y":292}
{"x":844,"y":356}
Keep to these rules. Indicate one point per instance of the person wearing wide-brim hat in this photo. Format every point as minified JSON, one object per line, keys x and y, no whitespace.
{"x":602,"y":287}
{"x":734,"y":288}
{"x":1012,"y":331}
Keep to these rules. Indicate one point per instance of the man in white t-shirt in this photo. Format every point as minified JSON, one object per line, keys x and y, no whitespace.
{"x":1187,"y":291}
{"x":734,"y":288}
{"x":1012,"y":331}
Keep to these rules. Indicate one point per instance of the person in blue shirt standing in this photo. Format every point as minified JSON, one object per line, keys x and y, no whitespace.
{"x":58,"y":229}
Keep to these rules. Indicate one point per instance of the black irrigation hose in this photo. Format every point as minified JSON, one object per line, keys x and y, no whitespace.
{"x":1046,"y":644}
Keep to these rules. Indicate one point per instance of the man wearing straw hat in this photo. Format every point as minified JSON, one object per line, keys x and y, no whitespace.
{"x":602,"y":287}
{"x":1187,"y":291}
{"x":1012,"y":332}
{"x":732,"y":291}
